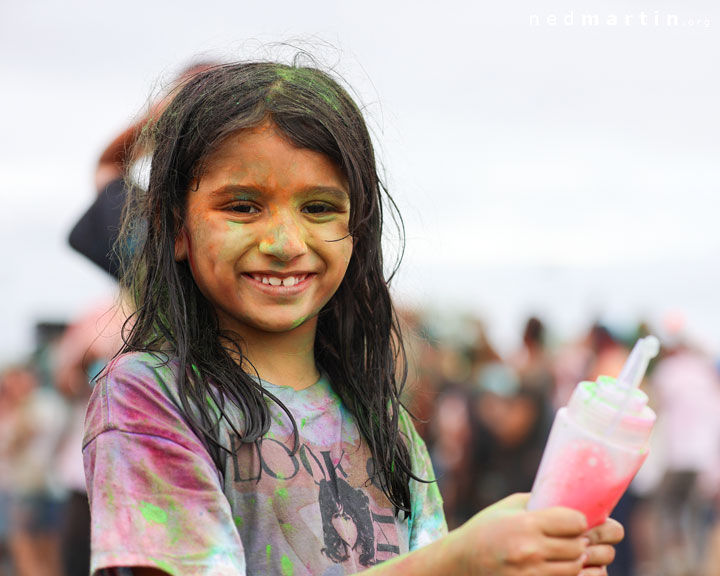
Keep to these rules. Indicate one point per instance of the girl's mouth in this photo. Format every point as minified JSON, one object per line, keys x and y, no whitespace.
{"x":284,"y":284}
{"x":277,"y":281}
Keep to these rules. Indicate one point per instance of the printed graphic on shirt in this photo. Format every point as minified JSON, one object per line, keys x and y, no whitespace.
{"x":329,"y":498}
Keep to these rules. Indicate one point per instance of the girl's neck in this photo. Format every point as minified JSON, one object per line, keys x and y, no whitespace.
{"x":283,"y":358}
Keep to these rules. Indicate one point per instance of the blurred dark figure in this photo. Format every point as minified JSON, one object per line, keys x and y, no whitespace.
{"x":482,"y":352}
{"x":450,"y":452}
{"x":608,"y":353}
{"x":95,"y":234}
{"x":423,"y":379}
{"x":511,"y":421}
{"x":533,"y":362}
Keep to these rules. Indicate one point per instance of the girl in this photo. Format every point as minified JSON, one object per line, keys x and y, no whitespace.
{"x":252,"y":422}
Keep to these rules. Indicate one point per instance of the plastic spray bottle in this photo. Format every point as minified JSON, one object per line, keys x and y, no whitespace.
{"x":598,"y":441}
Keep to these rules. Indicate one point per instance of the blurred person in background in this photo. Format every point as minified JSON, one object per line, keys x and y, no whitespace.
{"x":686,"y":388}
{"x":608,"y":353}
{"x":423,"y":380}
{"x":460,"y":358}
{"x":32,"y":423}
{"x":511,"y":420}
{"x":450,"y":452}
{"x":570,"y":366}
{"x":533,"y":362}
{"x":82,"y":353}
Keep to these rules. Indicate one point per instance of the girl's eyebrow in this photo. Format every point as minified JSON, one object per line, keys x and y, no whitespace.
{"x":338,"y":193}
{"x":249,"y":192}
{"x":252,"y":192}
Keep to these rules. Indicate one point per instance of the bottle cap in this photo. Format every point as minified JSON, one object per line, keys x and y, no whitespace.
{"x":607,"y":410}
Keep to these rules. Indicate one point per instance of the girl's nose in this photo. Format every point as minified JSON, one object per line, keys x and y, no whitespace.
{"x":284,"y":239}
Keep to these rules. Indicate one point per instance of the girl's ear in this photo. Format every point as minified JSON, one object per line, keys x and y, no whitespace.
{"x":181,"y":248}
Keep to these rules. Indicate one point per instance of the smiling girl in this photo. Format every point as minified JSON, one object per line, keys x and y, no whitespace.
{"x":252,"y":422}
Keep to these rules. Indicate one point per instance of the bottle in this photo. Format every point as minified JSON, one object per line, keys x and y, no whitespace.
{"x":598,"y":442}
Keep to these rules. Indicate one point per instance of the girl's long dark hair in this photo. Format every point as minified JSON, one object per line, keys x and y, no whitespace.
{"x":358,"y":342}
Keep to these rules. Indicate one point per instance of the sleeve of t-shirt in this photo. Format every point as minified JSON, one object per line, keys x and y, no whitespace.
{"x":427,"y":521}
{"x":155,"y":494}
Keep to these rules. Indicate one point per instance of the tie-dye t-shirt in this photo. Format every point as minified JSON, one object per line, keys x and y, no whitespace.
{"x":157,"y":499}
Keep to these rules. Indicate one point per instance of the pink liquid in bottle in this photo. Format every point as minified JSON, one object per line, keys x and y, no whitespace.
{"x":596,"y":446}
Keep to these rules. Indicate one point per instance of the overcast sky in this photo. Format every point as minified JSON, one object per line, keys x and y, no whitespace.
{"x":557,"y":157}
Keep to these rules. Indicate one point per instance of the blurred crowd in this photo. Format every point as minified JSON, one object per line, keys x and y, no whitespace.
{"x":486,"y":419}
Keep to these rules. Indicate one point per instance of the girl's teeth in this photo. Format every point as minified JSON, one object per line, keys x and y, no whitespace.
{"x":274,"y":281}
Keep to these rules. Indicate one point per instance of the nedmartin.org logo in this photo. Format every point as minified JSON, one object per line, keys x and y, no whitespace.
{"x":654,"y":19}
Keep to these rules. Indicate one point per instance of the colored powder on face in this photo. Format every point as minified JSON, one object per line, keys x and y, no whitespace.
{"x":286,"y":566}
{"x":153,"y":513}
{"x":281,"y":493}
{"x":268,"y":552}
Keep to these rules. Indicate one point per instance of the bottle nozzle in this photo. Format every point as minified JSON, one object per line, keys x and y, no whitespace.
{"x":632,"y":373}
{"x":644,"y":350}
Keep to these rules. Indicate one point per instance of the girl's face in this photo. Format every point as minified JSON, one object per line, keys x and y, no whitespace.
{"x":266,"y":232}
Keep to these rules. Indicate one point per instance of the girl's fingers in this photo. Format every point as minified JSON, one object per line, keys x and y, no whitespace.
{"x":610,"y":532}
{"x":565,"y":548}
{"x":561,"y":522}
{"x":600,"y":555}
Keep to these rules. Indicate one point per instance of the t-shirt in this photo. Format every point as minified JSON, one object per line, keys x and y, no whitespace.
{"x":157,"y":499}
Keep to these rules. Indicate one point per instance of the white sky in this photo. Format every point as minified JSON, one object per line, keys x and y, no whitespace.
{"x":570,"y":170}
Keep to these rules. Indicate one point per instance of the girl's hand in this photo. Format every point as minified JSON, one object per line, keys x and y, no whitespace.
{"x":507,"y":540}
{"x":601,"y":551}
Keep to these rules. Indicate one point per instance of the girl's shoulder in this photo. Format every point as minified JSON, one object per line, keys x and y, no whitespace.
{"x":136,"y":394}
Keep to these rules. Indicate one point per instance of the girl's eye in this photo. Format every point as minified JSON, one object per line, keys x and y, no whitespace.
{"x":318,"y":209}
{"x":244,"y":209}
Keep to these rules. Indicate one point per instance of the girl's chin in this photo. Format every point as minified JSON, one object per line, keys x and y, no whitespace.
{"x":274,"y":325}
